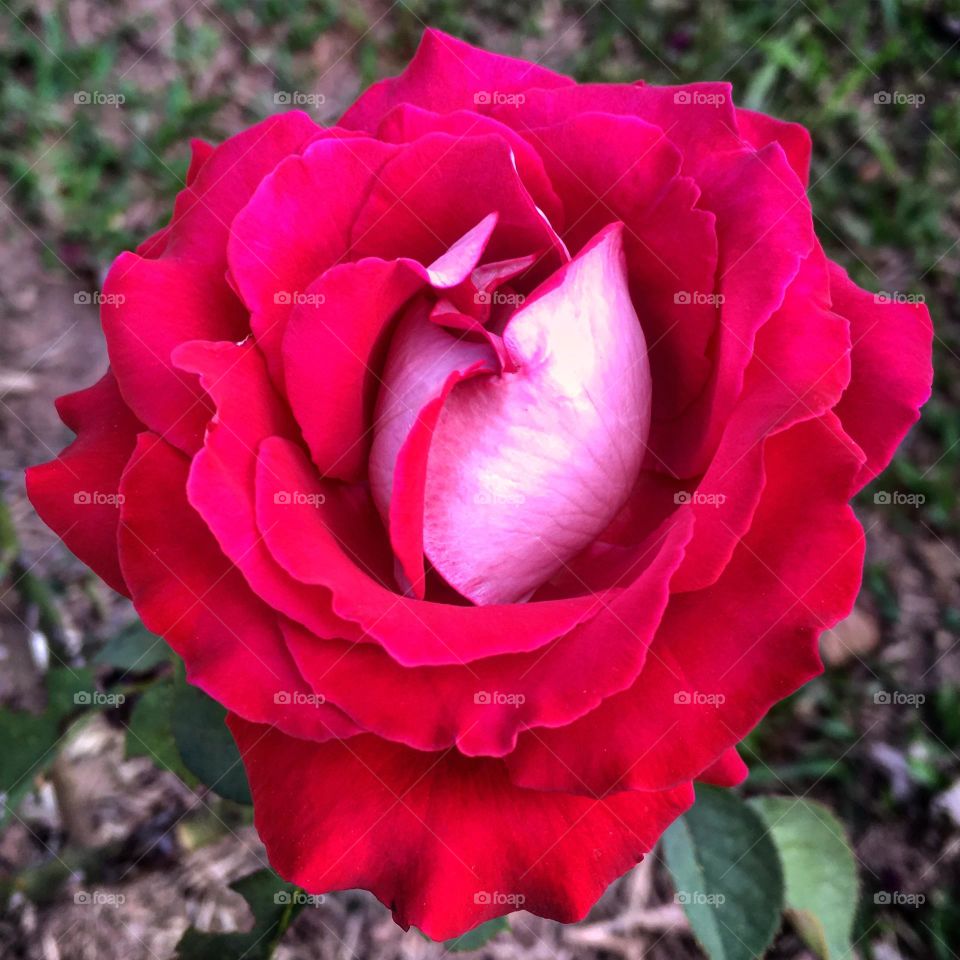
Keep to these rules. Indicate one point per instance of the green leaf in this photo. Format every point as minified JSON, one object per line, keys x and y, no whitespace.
{"x":205,"y":744}
{"x":474,"y":939}
{"x":30,"y":740}
{"x":727,"y":875}
{"x":150,"y":731}
{"x":819,"y":869}
{"x":134,"y":650}
{"x":273,"y":903}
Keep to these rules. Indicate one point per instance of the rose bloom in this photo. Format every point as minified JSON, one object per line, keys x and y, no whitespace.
{"x":488,"y":457}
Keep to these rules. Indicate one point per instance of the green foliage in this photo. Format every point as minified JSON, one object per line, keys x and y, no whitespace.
{"x":133,"y":650}
{"x":727,"y":875}
{"x":819,"y":871}
{"x":205,"y":745}
{"x":31,"y":740}
{"x":150,"y":730}
{"x":274,"y":905}
{"x":476,"y":938}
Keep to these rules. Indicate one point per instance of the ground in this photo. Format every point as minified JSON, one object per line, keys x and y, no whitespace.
{"x":876,"y":738}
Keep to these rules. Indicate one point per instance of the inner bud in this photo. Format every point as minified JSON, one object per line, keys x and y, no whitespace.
{"x":501,"y":474}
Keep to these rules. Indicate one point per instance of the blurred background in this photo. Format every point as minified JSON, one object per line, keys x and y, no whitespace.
{"x":98,"y":101}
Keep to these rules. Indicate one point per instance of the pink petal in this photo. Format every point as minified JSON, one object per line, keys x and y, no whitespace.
{"x":425,"y":363}
{"x":526,"y":469}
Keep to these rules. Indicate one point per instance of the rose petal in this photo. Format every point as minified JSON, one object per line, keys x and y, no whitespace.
{"x":481,"y":707}
{"x":150,"y":307}
{"x":526,"y":469}
{"x":222,"y":475}
{"x":447,"y":74}
{"x":891,"y":368}
{"x":326,"y":537}
{"x":76,"y":494}
{"x":795,"y":573}
{"x":296,"y":225}
{"x":424,"y":832}
{"x":187,"y":591}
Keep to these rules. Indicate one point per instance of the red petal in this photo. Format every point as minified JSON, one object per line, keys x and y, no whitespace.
{"x":204,"y":211}
{"x":891,"y":369}
{"x":186,"y":591}
{"x":446,"y":842}
{"x":728,"y":771}
{"x":447,"y":74}
{"x":630,"y":174}
{"x":407,"y":122}
{"x":326,"y":537}
{"x":222,"y":476}
{"x":150,"y":307}
{"x":481,"y":706}
{"x":758,"y":129}
{"x":296,"y":225}
{"x":723,"y":656}
{"x":76,"y":494}
{"x":437,"y":188}
{"x":331,"y":366}
{"x":800,"y":368}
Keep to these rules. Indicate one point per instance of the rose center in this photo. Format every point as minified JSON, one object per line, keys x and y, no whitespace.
{"x":500,"y":473}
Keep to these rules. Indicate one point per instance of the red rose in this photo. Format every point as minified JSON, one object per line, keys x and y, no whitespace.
{"x":488,"y":456}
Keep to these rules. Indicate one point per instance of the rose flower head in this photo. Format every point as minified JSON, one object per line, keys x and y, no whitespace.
{"x":487,"y":455}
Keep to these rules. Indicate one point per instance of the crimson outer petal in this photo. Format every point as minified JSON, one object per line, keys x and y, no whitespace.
{"x":447,"y":74}
{"x":177,"y":289}
{"x":794,"y":574}
{"x":187,"y":591}
{"x":76,"y":494}
{"x":427,"y":833}
{"x":892,"y":372}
